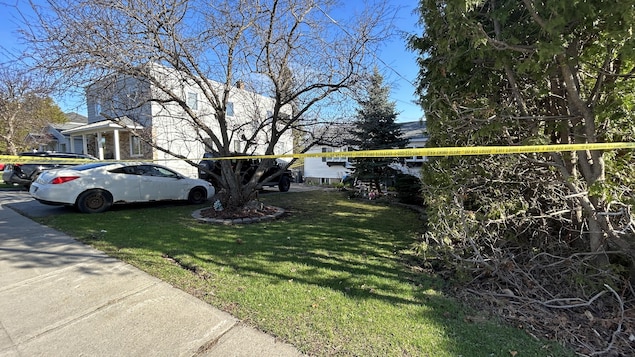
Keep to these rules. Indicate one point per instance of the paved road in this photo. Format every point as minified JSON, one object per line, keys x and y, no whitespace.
{"x":22,"y":202}
{"x":59,"y":297}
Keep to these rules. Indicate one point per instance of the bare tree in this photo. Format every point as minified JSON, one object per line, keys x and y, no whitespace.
{"x":290,"y":51}
{"x":24,"y":107}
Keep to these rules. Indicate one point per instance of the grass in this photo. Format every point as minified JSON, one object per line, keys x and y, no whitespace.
{"x":4,"y":185}
{"x":329,"y":278}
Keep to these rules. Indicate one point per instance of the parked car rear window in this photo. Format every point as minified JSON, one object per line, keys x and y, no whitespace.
{"x":90,"y":166}
{"x":69,"y":155}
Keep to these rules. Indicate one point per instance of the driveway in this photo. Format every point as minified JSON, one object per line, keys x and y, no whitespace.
{"x":20,"y":201}
{"x":298,"y":187}
{"x":59,"y":297}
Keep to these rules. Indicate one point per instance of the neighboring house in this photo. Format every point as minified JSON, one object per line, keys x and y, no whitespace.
{"x":327,"y":170}
{"x":416,"y":133}
{"x":52,"y":137}
{"x":121,"y":116}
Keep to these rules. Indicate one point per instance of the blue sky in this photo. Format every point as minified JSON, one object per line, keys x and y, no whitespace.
{"x":398,"y":65}
{"x":395,"y":62}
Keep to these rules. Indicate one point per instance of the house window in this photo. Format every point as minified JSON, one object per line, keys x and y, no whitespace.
{"x":342,"y":159}
{"x":230,"y":109}
{"x":97,"y":108}
{"x":135,"y":145}
{"x":192,"y":100}
{"x":415,"y":158}
{"x":324,"y":159}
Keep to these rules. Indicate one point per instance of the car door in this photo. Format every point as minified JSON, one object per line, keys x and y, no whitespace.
{"x":123,"y":183}
{"x":159,"y":183}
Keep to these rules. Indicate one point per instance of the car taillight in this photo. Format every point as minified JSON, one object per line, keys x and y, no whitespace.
{"x":62,"y":179}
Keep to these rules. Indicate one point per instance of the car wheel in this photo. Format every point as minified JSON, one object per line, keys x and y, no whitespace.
{"x":197,"y":196}
{"x":284,"y":184}
{"x":94,"y":201}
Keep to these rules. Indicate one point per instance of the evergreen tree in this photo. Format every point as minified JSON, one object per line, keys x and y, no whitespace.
{"x":514,"y":73}
{"x":374,"y":129}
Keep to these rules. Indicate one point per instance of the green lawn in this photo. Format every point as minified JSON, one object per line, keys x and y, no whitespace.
{"x":4,"y":185}
{"x":329,"y":278}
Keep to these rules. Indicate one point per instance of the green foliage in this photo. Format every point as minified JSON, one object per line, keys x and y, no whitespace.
{"x":24,"y":106}
{"x":48,"y":111}
{"x":495,"y":73}
{"x":408,"y":189}
{"x":529,"y":73}
{"x":375,"y":129}
{"x":23,"y":114}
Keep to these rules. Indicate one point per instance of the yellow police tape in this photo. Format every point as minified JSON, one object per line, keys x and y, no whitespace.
{"x":411,"y":152}
{"x":11,"y":159}
{"x":452,"y":151}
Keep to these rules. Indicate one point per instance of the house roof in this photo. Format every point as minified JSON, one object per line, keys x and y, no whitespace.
{"x":66,"y":126}
{"x":413,"y":130}
{"x":339,"y":135}
{"x":334,"y":135}
{"x":76,"y":118}
{"x":39,"y":138}
{"x":104,"y":125}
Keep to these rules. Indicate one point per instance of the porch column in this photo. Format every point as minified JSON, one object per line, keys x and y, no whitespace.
{"x":84,"y":144}
{"x":100,"y":146}
{"x":72,"y":140}
{"x":116,"y":138}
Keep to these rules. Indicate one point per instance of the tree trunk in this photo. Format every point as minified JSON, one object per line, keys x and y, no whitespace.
{"x":597,"y":241}
{"x":377,"y":185}
{"x":233,"y":194}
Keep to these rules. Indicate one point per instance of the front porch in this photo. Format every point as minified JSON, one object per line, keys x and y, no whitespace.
{"x":108,"y":140}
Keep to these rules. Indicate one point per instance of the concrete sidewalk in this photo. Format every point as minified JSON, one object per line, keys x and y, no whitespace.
{"x":59,"y":297}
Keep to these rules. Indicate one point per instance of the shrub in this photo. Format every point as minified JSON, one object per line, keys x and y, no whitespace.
{"x":408,"y":189}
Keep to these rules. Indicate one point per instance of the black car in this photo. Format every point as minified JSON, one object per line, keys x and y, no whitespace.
{"x":248,"y":169}
{"x":24,"y":173}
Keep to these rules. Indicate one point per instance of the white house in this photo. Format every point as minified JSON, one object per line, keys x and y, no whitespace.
{"x":120,"y":116}
{"x":326,"y":170}
{"x":331,"y":170}
{"x":415,"y":132}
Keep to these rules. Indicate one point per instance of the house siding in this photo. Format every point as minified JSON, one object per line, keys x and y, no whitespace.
{"x":167,"y":125}
{"x":325,"y":171}
{"x":319,"y":171}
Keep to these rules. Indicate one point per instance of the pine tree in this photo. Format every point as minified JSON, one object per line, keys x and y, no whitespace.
{"x":375,"y":129}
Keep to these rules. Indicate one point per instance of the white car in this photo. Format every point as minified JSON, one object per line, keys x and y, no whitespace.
{"x":95,"y":187}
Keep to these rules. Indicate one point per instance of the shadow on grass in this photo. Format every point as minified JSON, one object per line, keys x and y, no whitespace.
{"x":327,"y":246}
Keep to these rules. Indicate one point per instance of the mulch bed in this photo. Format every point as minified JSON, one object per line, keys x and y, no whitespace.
{"x":259,"y":212}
